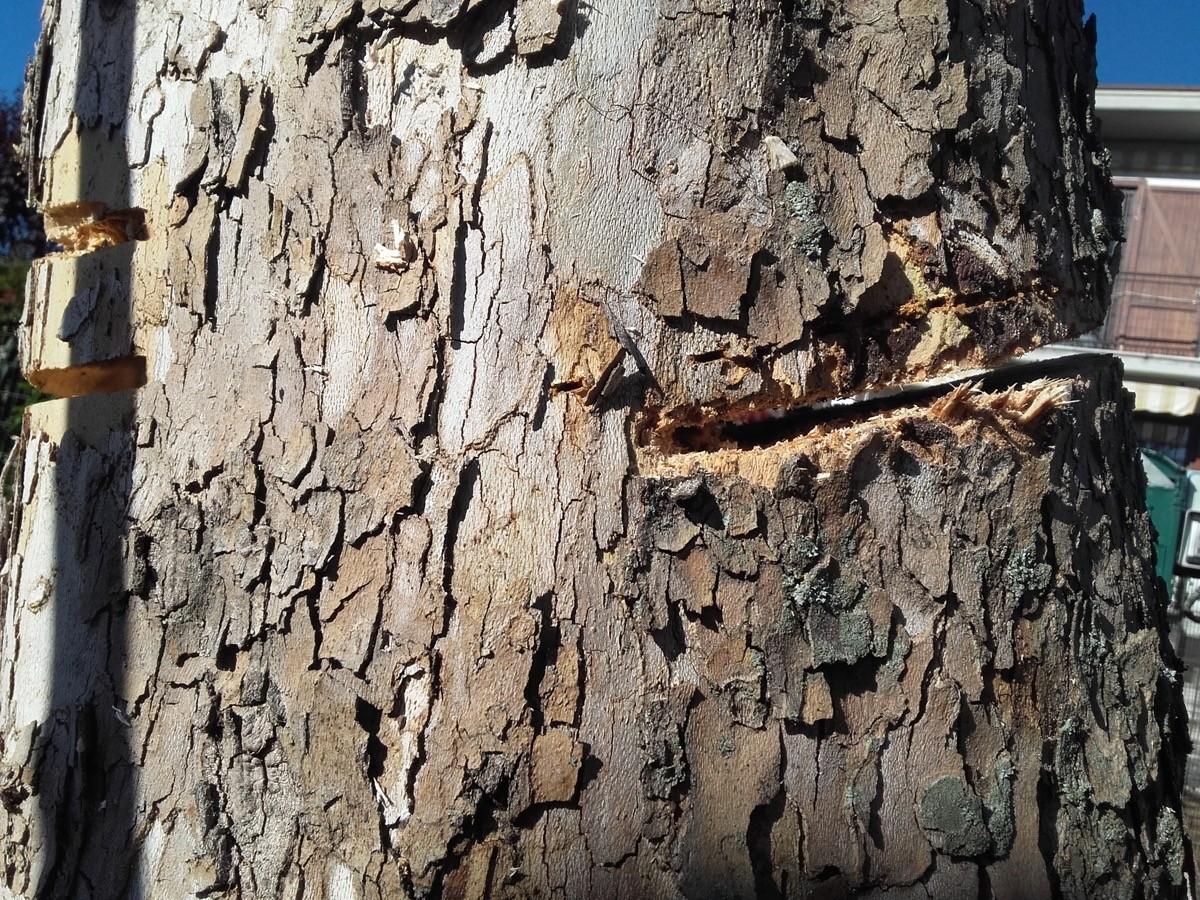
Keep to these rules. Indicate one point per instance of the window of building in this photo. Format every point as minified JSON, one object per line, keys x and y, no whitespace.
{"x":1167,"y":435}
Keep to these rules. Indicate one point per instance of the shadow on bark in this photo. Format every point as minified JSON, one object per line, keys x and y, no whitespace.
{"x":85,"y":770}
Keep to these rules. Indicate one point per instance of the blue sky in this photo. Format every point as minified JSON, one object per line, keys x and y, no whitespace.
{"x":18,"y":34}
{"x":1147,"y":41}
{"x":1141,"y":41}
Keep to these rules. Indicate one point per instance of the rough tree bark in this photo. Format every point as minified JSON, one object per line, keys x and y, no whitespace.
{"x":503,"y":552}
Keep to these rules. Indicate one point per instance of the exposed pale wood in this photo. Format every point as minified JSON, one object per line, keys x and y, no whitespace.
{"x":427,"y":565}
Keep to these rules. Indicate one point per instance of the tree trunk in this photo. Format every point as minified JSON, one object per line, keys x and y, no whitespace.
{"x":443,"y":509}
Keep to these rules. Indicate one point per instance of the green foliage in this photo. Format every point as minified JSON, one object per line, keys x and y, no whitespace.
{"x":15,"y":392}
{"x":20,"y":226}
{"x":12,"y":285}
{"x":21,"y":238}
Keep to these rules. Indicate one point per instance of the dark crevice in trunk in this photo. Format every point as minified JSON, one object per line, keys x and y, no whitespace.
{"x":545,"y":654}
{"x":758,"y":845}
{"x":458,"y":285}
{"x":212,"y":282}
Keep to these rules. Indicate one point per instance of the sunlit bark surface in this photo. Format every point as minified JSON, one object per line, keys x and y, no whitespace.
{"x":441,"y":509}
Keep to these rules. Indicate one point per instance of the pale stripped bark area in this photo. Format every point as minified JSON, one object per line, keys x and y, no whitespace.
{"x":435,"y":568}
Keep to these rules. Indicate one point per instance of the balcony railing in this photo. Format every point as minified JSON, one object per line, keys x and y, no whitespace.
{"x":1152,"y":313}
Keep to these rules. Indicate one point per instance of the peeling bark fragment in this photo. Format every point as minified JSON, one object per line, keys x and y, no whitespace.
{"x":537,"y":25}
{"x":557,"y":761}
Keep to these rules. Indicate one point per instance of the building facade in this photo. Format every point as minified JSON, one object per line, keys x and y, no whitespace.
{"x":1153,"y":324}
{"x":1153,"y":135}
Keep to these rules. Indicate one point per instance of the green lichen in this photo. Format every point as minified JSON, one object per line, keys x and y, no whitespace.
{"x":821,"y":588}
{"x":1025,"y":575}
{"x":1074,"y":787}
{"x":808,"y":229}
{"x":757,"y":661}
{"x":952,"y":818}
{"x":805,"y":547}
{"x":897,"y":656}
{"x":1112,"y":829}
{"x":1096,"y":646}
{"x":847,"y":547}
{"x":857,"y":632}
{"x":829,"y":605}
{"x":789,"y":622}
{"x":845,"y":637}
{"x":810,"y":10}
{"x":726,"y":747}
{"x":859,"y":795}
{"x":1001,"y":821}
{"x":850,"y":799}
{"x":1169,"y":843}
